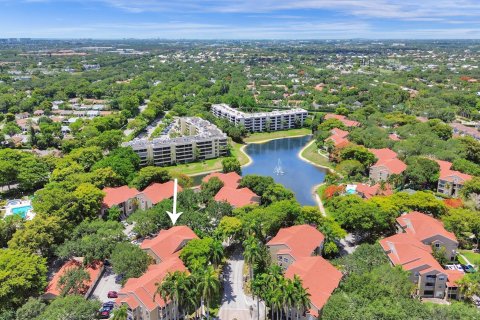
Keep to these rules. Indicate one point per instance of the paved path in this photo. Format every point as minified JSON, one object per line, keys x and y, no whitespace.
{"x":235,"y":303}
{"x":105,"y":284}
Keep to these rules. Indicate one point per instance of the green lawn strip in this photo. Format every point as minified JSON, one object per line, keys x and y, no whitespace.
{"x":261,"y":136}
{"x":471,"y":256}
{"x":311,"y":154}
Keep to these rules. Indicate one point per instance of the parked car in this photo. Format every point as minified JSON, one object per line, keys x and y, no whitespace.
{"x":109,"y":304}
{"x":104,"y":313}
{"x":112,"y":294}
{"x":468,"y":268}
{"x":458,"y":267}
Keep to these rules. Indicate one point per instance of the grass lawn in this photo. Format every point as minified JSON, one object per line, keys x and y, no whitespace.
{"x":261,"y":136}
{"x":211,"y":164}
{"x":471,"y":256}
{"x":311,"y":153}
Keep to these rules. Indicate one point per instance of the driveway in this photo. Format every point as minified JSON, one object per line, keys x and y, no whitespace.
{"x":105,"y":284}
{"x":235,"y":303}
{"x":348,"y":245}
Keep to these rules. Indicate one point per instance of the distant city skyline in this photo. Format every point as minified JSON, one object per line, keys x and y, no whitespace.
{"x":235,"y":19}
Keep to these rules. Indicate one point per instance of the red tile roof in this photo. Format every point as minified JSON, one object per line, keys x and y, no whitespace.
{"x":453,"y":277}
{"x":93,"y":270}
{"x":142,"y":290}
{"x":343,"y":119}
{"x":237,"y":197}
{"x":157,"y":192}
{"x":319,"y":278}
{"x":393,"y":165}
{"x":422,"y":226}
{"x":231,"y":179}
{"x":339,"y":132}
{"x":405,"y":250}
{"x":368,"y":191}
{"x":394,"y":137}
{"x":115,"y":196}
{"x":383,"y":154}
{"x":301,"y":240}
{"x":168,"y":241}
{"x":449,"y":175}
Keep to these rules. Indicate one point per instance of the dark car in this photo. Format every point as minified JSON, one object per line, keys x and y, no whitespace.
{"x":109,"y":304}
{"x":468,"y":268}
{"x":112,"y":294}
{"x":104,"y":313}
{"x":118,"y":278}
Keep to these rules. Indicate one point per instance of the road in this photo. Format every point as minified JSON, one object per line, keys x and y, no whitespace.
{"x":235,"y":303}
{"x":105,"y":284}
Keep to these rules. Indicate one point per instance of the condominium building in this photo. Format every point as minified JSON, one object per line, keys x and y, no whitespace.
{"x":261,"y":121}
{"x":188,"y":139}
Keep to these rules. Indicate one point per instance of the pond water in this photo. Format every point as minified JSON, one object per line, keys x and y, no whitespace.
{"x":295,"y":174}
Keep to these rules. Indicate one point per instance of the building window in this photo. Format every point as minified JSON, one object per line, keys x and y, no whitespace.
{"x":437,"y":245}
{"x":441,"y":278}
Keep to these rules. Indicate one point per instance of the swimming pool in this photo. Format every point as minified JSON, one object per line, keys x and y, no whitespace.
{"x":21,"y":211}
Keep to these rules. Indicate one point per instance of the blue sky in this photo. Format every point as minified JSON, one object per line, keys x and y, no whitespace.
{"x":235,"y":19}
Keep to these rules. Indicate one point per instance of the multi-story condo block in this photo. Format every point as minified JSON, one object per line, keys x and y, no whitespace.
{"x":450,"y":181}
{"x":412,"y":249}
{"x":189,"y":139}
{"x":262,"y":121}
{"x":297,"y":250}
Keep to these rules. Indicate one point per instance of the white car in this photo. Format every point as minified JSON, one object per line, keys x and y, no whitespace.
{"x":458,"y":267}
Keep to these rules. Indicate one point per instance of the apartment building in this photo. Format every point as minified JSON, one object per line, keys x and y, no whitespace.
{"x":450,"y":181}
{"x":230,"y":192}
{"x":412,"y":249}
{"x":429,"y":231}
{"x":386,"y":165}
{"x":138,"y":294}
{"x":297,"y":250}
{"x":261,"y":121}
{"x":189,"y":139}
{"x":130,"y":199}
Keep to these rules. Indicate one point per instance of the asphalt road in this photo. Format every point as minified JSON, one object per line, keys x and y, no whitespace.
{"x":105,"y":284}
{"x":235,"y":303}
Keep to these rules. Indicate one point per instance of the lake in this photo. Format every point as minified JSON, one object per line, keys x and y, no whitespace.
{"x":298,"y":175}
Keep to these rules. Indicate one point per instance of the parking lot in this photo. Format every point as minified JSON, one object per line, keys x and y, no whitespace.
{"x":104,"y":285}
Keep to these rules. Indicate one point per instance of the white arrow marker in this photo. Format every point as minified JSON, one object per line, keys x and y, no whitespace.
{"x":174,"y":216}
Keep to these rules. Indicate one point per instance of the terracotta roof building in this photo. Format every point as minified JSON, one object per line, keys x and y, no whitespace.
{"x":343,"y":119}
{"x":138,"y":294}
{"x":386,"y":165}
{"x":231,"y":179}
{"x":429,"y":231}
{"x":430,"y":279}
{"x":168,"y":243}
{"x":366,"y":191}
{"x":237,"y":198}
{"x":319,"y":278}
{"x":230,"y":192}
{"x":94,"y":270}
{"x":296,"y":249}
{"x":450,"y":181}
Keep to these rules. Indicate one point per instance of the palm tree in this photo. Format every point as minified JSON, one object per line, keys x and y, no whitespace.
{"x":120,"y":313}
{"x":252,"y":252}
{"x":208,"y":286}
{"x":302,"y":297}
{"x":174,"y":288}
{"x":289,"y":296}
{"x":217,"y":253}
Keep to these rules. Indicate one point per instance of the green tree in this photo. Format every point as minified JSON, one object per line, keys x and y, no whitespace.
{"x":208,"y":286}
{"x":359,"y":153}
{"x":129,"y":260}
{"x":31,"y":309}
{"x":149,"y":175}
{"x":71,"y":307}
{"x":422,"y":173}
{"x":73,"y":281}
{"x":39,"y":236}
{"x":120,"y":313}
{"x":231,"y":165}
{"x":22,"y":276}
